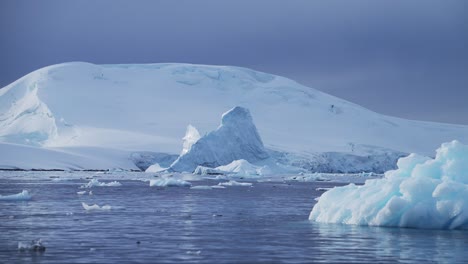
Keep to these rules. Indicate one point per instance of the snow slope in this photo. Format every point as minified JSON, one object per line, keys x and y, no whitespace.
{"x":76,"y":108}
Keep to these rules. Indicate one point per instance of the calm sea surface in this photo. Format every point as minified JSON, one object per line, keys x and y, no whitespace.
{"x":265,"y":223}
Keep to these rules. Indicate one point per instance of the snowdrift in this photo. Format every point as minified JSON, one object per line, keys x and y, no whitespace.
{"x":138,"y":113}
{"x":422,"y":193}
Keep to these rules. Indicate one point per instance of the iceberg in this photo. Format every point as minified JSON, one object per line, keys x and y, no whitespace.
{"x":22,"y":196}
{"x":242,"y":167}
{"x":169,"y":182}
{"x":237,"y":167}
{"x":202,"y":170}
{"x":428,"y":193}
{"x":236,"y":138}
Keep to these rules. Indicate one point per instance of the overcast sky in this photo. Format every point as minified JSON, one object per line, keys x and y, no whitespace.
{"x":401,"y":58}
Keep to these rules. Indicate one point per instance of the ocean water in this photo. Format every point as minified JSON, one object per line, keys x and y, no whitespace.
{"x":265,"y":223}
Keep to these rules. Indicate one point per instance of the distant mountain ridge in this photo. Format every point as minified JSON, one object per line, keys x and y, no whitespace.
{"x":75,"y":107}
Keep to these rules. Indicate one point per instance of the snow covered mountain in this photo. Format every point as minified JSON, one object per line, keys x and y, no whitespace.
{"x":97,"y":116}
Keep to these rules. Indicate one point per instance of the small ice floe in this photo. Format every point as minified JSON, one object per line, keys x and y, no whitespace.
{"x":95,"y":182}
{"x":169,"y":182}
{"x":96,"y":207}
{"x":235,"y":183}
{"x":90,"y":192}
{"x":217,"y":187}
{"x":22,"y":196}
{"x":198,"y":252}
{"x":323,"y":189}
{"x":33,"y":246}
{"x":201,"y":187}
{"x":81,"y":193}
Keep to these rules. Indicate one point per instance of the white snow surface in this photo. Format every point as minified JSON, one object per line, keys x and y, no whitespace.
{"x":236,"y":138}
{"x":84,"y":116}
{"x":22,"y":196}
{"x":422,"y":193}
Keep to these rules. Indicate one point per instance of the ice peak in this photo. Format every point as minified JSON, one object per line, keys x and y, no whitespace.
{"x":236,"y":138}
{"x":236,"y":115}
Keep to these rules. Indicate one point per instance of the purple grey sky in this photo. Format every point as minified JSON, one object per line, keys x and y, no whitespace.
{"x":401,"y":58}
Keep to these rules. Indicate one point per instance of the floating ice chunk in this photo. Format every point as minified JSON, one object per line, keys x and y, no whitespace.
{"x":81,"y":193}
{"x":241,"y":167}
{"x":198,"y":252}
{"x":421,"y":193}
{"x":95,"y":182}
{"x":95,"y":207}
{"x":237,"y":167}
{"x":169,"y":182}
{"x":22,"y":196}
{"x":235,"y":183}
{"x":217,"y":187}
{"x":34,"y":246}
{"x":202,"y":170}
{"x":201,"y":187}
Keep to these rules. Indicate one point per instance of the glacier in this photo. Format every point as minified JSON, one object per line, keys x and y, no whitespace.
{"x":423,"y":192}
{"x":236,"y":138}
{"x":138,"y":112}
